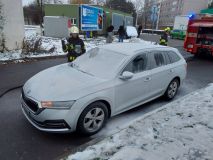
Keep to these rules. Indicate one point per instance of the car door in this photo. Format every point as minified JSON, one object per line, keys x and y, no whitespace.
{"x":161,"y":72}
{"x":135,"y":90}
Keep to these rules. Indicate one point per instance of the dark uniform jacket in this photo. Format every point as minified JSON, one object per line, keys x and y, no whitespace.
{"x":75,"y":47}
{"x":121,"y":32}
{"x":164,"y":39}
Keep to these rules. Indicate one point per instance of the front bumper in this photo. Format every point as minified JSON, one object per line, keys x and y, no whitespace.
{"x":55,"y":123}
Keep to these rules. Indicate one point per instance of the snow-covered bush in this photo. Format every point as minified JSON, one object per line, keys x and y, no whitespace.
{"x":34,"y":45}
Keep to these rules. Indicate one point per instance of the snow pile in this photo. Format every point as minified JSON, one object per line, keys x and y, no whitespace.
{"x":181,"y":130}
{"x":131,"y":31}
{"x":51,"y":46}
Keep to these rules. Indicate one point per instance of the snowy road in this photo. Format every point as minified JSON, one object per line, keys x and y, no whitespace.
{"x":19,"y":140}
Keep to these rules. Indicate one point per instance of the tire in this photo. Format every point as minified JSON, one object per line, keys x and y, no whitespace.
{"x":92,"y":119}
{"x":172,"y":89}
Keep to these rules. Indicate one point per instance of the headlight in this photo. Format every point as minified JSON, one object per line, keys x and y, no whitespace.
{"x":57,"y":105}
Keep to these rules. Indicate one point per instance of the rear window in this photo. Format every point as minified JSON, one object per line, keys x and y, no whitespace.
{"x":159,"y":59}
{"x":173,"y":56}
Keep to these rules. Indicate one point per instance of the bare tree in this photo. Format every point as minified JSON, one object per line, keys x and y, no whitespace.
{"x":211,"y":5}
{"x":2,"y":22}
{"x":1,"y":18}
{"x":139,"y":7}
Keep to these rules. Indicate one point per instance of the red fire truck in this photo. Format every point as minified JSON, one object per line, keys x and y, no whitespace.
{"x":199,"y":37}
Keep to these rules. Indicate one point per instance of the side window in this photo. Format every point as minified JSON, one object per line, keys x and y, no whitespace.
{"x":159,"y":59}
{"x":173,"y":56}
{"x":167,"y":58}
{"x":139,"y":64}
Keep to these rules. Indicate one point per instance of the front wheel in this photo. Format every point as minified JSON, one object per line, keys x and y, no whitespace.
{"x":172,"y":89}
{"x":93,"y":118}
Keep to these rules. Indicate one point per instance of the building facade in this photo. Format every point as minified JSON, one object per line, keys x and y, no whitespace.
{"x":147,"y":22}
{"x":168,"y":9}
{"x":13,"y":26}
{"x":171,"y":8}
{"x":72,"y":12}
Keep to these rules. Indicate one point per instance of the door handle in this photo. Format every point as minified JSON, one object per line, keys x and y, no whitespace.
{"x":147,"y":79}
{"x":171,"y":70}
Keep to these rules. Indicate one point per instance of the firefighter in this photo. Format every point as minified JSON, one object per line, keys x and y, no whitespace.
{"x":164,"y":37}
{"x":74,"y":46}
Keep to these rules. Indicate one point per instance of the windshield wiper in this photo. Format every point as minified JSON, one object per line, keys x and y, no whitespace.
{"x":84,"y":72}
{"x":77,"y":68}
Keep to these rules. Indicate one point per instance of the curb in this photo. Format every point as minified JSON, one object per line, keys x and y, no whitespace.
{"x":28,"y":60}
{"x":80,"y":148}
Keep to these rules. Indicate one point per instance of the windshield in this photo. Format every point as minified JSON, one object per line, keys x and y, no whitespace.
{"x":99,"y":62}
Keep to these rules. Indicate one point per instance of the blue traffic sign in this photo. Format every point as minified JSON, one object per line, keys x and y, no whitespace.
{"x":154,"y":17}
{"x":154,"y":9}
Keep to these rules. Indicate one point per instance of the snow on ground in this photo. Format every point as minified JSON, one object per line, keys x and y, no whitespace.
{"x":181,"y":130}
{"x":48,"y":43}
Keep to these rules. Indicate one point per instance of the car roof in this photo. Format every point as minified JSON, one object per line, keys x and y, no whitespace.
{"x":130,"y":49}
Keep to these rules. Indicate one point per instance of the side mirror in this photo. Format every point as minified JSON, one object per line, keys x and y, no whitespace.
{"x":126,"y":75}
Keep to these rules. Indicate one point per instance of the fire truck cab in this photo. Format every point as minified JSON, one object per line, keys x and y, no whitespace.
{"x":199,"y":37}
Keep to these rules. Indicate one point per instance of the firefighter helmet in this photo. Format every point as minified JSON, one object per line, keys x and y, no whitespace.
{"x":74,"y":29}
{"x":167,"y":29}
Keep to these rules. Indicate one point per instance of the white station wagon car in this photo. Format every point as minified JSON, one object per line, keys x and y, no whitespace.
{"x":102,"y":83}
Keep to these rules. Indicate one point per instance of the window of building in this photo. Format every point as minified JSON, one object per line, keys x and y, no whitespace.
{"x":174,"y":3}
{"x":73,"y":21}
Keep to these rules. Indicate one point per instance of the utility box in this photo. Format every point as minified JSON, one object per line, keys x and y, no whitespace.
{"x":56,"y":26}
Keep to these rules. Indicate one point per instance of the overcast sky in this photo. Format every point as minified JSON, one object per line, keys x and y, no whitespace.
{"x":26,"y":2}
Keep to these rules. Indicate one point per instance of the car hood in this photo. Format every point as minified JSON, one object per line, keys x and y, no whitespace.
{"x":61,"y":83}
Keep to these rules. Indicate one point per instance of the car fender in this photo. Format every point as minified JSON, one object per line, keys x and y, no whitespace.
{"x":104,"y":95}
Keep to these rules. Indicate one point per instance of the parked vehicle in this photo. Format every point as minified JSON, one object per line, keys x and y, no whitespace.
{"x":152,"y":31}
{"x":199,"y":37}
{"x":181,"y":22}
{"x":178,"y":34}
{"x":102,"y":83}
{"x":180,"y":27}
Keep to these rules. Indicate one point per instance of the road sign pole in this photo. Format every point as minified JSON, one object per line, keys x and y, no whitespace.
{"x":159,"y":11}
{"x":154,"y":16}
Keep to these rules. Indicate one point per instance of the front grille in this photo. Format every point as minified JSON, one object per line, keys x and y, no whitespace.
{"x":52,"y":124}
{"x":30,"y":103}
